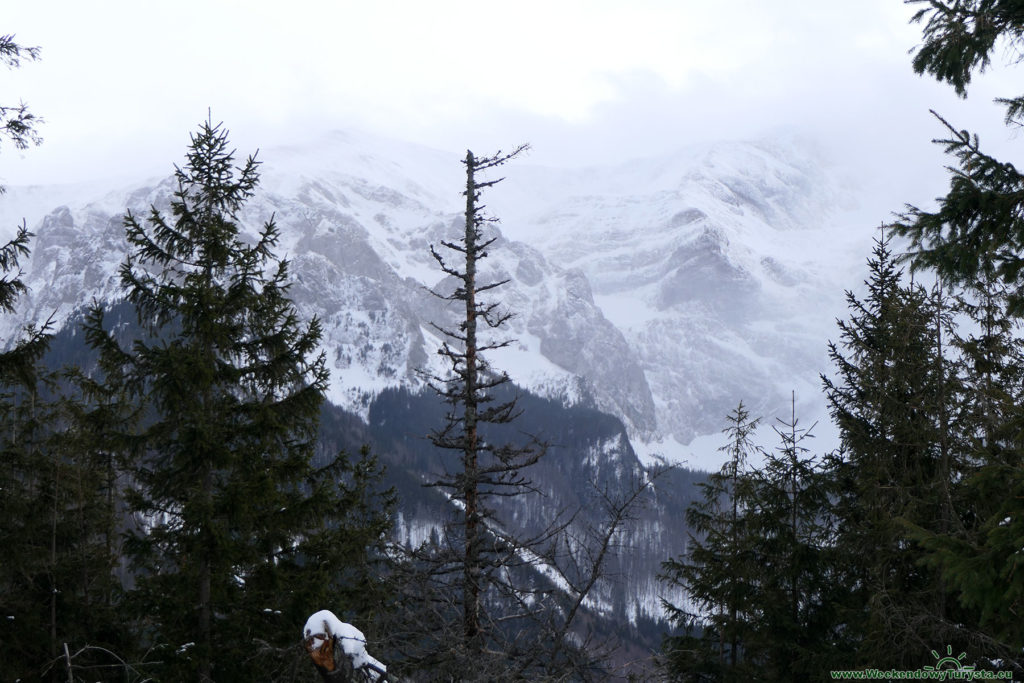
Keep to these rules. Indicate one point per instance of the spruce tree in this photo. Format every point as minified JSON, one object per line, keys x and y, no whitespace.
{"x":718,"y":572}
{"x":57,"y":580}
{"x":17,"y":123}
{"x":238,"y":534}
{"x":892,"y":471}
{"x":58,"y":509}
{"x":797,"y":633}
{"x":979,"y":220}
{"x":760,"y":567}
{"x":974,"y":239}
{"x":61,"y":525}
{"x":29,"y":512}
{"x":978,"y":555}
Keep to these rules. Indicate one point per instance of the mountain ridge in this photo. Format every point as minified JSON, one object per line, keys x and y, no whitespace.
{"x":661,"y":291}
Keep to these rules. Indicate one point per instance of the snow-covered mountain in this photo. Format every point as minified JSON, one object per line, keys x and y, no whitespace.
{"x":649,"y":299}
{"x":662,"y":291}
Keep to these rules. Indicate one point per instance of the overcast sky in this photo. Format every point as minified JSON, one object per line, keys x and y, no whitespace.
{"x":121,"y":83}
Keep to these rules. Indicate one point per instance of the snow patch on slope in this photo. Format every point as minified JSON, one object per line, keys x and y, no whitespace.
{"x":662,"y":291}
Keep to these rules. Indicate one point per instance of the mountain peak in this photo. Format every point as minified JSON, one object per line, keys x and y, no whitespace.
{"x":661,"y":290}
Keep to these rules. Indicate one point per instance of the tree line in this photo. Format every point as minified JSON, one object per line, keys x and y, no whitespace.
{"x":165,"y":510}
{"x":906,"y":541}
{"x":168,"y":512}
{"x":900,"y":542}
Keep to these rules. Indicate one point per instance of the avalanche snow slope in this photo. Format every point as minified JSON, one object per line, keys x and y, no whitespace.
{"x":662,"y":291}
{"x":724,"y":267}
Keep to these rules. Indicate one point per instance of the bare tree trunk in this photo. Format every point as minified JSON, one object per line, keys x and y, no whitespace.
{"x":205,"y":636}
{"x":55,"y":513}
{"x":472,"y":569}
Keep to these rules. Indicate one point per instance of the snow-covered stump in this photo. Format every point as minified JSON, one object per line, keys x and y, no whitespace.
{"x":339,"y":652}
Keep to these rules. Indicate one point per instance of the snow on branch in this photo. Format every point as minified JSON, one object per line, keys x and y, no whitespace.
{"x":339,"y":651}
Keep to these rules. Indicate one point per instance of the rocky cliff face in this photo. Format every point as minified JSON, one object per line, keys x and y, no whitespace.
{"x":661,"y":291}
{"x":649,"y":299}
{"x":714,"y":266}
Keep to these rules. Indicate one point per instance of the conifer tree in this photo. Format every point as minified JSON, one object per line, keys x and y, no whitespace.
{"x":237,"y":530}
{"x":29,"y":505}
{"x":978,"y":554}
{"x":979,"y":220}
{"x":18,"y":126}
{"x":60,"y":528}
{"x":891,"y":472}
{"x":975,"y":239}
{"x":17,"y":123}
{"x":760,"y":568}
{"x":57,"y":577}
{"x":718,"y":572}
{"x":485,"y":611}
{"x":797,"y":633}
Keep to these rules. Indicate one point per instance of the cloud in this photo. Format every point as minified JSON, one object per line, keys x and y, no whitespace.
{"x":585,"y":81}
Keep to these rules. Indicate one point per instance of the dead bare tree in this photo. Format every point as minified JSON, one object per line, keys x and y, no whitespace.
{"x":494,"y":602}
{"x":485,"y":470}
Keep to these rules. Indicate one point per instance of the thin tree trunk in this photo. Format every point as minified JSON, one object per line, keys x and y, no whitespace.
{"x":205,"y":592}
{"x":794,"y":520}
{"x":472,"y":570}
{"x":53,"y":538}
{"x":735,"y":545}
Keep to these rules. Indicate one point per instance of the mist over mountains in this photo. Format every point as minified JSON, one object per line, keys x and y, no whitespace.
{"x":649,"y":299}
{"x":660,"y":291}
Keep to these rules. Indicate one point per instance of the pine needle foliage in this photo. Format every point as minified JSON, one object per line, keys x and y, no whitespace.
{"x":17,"y":123}
{"x":238,"y":533}
{"x":894,"y":468}
{"x":978,"y":556}
{"x":979,"y":218}
{"x":759,"y":568}
{"x":718,"y":571}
